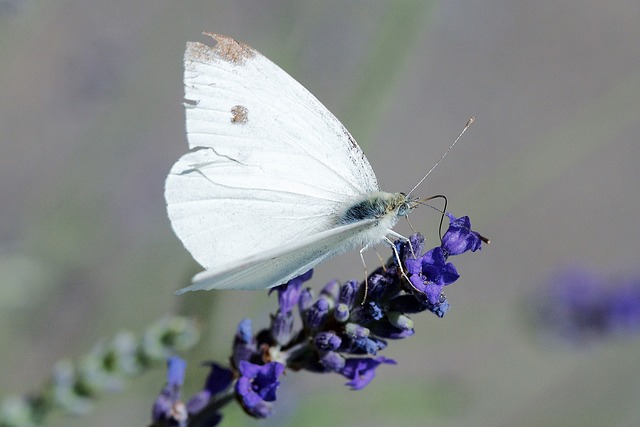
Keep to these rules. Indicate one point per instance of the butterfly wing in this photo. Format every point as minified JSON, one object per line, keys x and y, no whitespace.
{"x":279,"y":265}
{"x":268,"y":163}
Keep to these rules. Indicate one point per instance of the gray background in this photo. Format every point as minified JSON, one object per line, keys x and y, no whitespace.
{"x":91,"y":121}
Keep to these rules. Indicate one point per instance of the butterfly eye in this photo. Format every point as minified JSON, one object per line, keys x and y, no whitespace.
{"x":404,"y":209}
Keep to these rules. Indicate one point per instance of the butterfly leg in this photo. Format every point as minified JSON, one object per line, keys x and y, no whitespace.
{"x":384,"y":267}
{"x":404,"y":239}
{"x":366,"y":274}
{"x":397,"y":256}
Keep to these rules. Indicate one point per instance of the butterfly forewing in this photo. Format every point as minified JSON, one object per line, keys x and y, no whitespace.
{"x":268,"y":165}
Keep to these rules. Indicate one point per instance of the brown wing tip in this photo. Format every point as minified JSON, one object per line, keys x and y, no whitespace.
{"x":226,"y":49}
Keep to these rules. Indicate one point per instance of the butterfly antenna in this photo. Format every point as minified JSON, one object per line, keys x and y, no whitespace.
{"x":442,"y":211}
{"x":469,"y":123}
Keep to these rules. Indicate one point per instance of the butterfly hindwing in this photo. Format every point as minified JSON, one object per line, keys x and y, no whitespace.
{"x":277,"y":266}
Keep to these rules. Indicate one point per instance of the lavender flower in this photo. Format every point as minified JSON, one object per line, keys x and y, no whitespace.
{"x":202,"y":408}
{"x":459,"y":238}
{"x":257,"y":386}
{"x":244,"y":345}
{"x":430,"y":273}
{"x":218,"y":380}
{"x":289,"y":295}
{"x":168,"y":409}
{"x":338,"y":332}
{"x":579,"y":306}
{"x":362,"y":370}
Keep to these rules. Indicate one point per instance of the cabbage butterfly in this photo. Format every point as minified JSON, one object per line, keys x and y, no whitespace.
{"x":273,"y":183}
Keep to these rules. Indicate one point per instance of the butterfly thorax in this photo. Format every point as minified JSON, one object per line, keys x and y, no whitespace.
{"x":376,"y":205}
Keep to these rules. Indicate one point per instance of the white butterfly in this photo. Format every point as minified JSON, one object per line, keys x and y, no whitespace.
{"x":273,"y":183}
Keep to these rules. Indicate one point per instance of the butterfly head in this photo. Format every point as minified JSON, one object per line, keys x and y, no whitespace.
{"x":404,"y":204}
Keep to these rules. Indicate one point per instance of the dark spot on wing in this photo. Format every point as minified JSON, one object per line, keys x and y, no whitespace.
{"x":190,"y":103}
{"x":240,"y":115}
{"x":346,"y":133}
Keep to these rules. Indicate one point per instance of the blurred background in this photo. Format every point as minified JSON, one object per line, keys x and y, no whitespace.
{"x":91,"y":120}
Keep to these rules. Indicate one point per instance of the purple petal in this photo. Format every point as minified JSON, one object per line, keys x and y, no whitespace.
{"x":362,"y":370}
{"x":459,"y":238}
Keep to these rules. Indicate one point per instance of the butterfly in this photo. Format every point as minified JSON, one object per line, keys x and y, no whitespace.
{"x":273,"y":183}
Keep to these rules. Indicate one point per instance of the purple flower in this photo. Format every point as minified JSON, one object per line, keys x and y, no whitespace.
{"x":383,"y":284}
{"x":332,"y":361}
{"x":580,"y":306}
{"x":368,"y":312}
{"x":176,"y":368}
{"x":317,"y":314}
{"x":331,"y":290}
{"x":358,"y":340}
{"x":355,"y":331}
{"x":168,"y":408}
{"x":459,"y":238}
{"x":348,"y":293}
{"x":341,"y":312}
{"x":440,"y":308}
{"x":411,"y":250}
{"x":289,"y":293}
{"x":418,"y":303}
{"x":340,"y":332}
{"x":282,"y":327}
{"x":430,"y":273}
{"x":624,"y":307}
{"x":305,"y":301}
{"x":257,"y":386}
{"x":244,"y":345}
{"x":394,"y":326}
{"x":362,"y":370}
{"x":218,"y":380}
{"x":327,"y":341}
{"x":367,"y":345}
